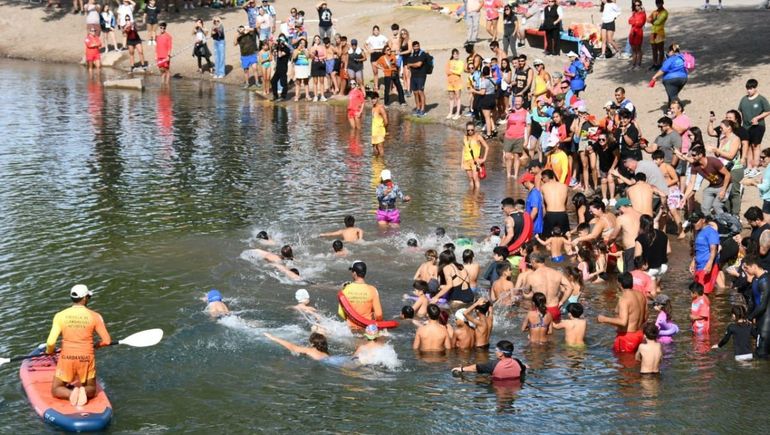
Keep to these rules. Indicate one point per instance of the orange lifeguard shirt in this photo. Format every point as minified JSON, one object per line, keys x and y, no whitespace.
{"x":364,"y":299}
{"x":77,"y":324}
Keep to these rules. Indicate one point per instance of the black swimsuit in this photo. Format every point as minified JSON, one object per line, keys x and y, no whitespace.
{"x":457,"y":293}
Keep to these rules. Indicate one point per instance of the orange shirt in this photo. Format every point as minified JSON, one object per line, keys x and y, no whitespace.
{"x":364,"y":299}
{"x":93,"y":44}
{"x":77,"y":324}
{"x":388,"y":65}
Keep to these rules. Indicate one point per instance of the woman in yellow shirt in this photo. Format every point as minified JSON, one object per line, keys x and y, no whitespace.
{"x":471,"y":156}
{"x":454,"y":71}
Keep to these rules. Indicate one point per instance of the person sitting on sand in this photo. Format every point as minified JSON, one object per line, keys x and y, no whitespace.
{"x":339,"y":249}
{"x":574,"y":327}
{"x":216,"y":308}
{"x":464,"y":335}
{"x":432,"y":337}
{"x":318,"y":350}
{"x":351,"y":233}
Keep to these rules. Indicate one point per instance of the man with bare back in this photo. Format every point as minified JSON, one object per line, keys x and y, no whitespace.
{"x":627,"y":229}
{"x":351,"y":233}
{"x":631,"y":315}
{"x":432,"y":337}
{"x":555,"y":197}
{"x":548,"y":281}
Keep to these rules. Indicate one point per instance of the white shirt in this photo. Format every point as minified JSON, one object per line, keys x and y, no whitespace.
{"x":610,"y":13}
{"x":263,"y":21}
{"x":124,"y":10}
{"x":376,"y":42}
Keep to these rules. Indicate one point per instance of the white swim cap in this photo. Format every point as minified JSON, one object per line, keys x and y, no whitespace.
{"x":385,"y":175}
{"x":302,"y":295}
{"x":460,"y":315}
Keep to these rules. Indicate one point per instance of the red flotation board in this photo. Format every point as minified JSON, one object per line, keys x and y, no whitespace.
{"x":359,"y":320}
{"x":37,"y":374}
{"x":525,"y":235}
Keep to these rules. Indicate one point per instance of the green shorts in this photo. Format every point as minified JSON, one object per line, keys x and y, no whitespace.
{"x":515,"y":146}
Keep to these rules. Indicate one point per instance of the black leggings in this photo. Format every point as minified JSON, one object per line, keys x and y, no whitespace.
{"x":509,"y":40}
{"x":552,"y":40}
{"x":208,"y":61}
{"x":279,"y":76}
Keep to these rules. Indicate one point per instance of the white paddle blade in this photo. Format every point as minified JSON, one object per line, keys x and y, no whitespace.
{"x":4,"y":361}
{"x":150,"y":337}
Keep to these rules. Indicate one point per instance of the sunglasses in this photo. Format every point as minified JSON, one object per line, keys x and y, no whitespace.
{"x":601,"y":139}
{"x":470,"y":131}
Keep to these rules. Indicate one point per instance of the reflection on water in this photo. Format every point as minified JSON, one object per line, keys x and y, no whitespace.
{"x":150,"y":198}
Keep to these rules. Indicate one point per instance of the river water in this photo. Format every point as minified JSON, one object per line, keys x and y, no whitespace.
{"x":150,"y":199}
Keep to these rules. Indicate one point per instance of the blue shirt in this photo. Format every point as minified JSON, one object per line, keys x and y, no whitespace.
{"x":535,"y":200}
{"x":577,"y":83}
{"x":251,"y":13}
{"x":673,"y":68}
{"x":389,"y":200}
{"x":706,"y":238}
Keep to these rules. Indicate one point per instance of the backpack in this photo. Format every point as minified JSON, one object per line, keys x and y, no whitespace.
{"x":429,"y":61}
{"x":689,"y":61}
{"x":727,"y":225}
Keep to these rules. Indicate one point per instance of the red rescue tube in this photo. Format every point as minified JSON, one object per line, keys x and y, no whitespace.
{"x":525,"y":235}
{"x":361,"y":321}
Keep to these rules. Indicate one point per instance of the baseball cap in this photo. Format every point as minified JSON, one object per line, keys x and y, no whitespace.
{"x":385,"y":175}
{"x":214,"y":296}
{"x":354,"y":41}
{"x":538,"y":62}
{"x":80,"y":291}
{"x":359,"y":267}
{"x":661,"y":300}
{"x":623,"y":202}
{"x":608,"y":104}
{"x":301,"y":295}
{"x":535,"y":164}
{"x":572,"y":54}
{"x":695,"y":217}
{"x":460,"y":315}
{"x":527,"y":177}
{"x":372,"y":331}
{"x":582,"y":108}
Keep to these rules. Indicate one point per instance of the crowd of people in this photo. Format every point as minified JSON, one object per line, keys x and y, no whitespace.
{"x":628,"y":189}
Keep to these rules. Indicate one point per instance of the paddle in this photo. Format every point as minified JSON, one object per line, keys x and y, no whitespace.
{"x":147,"y":338}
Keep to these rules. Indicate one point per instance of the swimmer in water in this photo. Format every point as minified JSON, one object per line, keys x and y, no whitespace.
{"x":502,"y":289}
{"x":372,"y":335}
{"x":650,"y":353}
{"x":351,"y":233}
{"x":412,"y":243}
{"x":216,"y":308}
{"x":464,"y":337}
{"x":433,"y":336}
{"x":286,"y":254}
{"x":339,"y":249}
{"x":494,"y":236}
{"x":318,"y":349}
{"x":303,"y":304}
{"x":574,"y":327}
{"x":264,"y":239}
{"x":480,"y":314}
{"x":420,"y":306}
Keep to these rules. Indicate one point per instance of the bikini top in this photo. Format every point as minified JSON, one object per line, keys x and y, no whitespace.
{"x":539,"y":324}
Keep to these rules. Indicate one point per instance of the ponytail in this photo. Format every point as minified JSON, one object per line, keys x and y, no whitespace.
{"x":539,"y":300}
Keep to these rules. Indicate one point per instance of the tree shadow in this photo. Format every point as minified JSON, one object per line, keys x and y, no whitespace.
{"x":723,"y":43}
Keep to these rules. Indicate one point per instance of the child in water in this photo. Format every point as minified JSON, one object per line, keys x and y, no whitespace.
{"x":420,"y":306}
{"x":650,"y":353}
{"x":665,"y":323}
{"x":700,"y":310}
{"x":339,"y":249}
{"x":502,"y":289}
{"x":538,"y":320}
{"x":743,"y":333}
{"x":557,"y":244}
{"x":572,"y":295}
{"x":216,"y":308}
{"x":303,"y":303}
{"x":574,"y":327}
{"x":464,"y":336}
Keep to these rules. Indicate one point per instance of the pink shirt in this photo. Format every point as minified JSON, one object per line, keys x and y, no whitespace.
{"x":701,"y":307}
{"x":642,"y":282}
{"x":683,"y":121}
{"x":162,"y":46}
{"x":490,"y":7}
{"x":517,"y":123}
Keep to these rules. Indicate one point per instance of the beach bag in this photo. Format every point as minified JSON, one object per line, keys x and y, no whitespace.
{"x":689,"y":61}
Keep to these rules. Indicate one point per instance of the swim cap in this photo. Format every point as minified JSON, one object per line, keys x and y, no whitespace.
{"x":302,"y":295}
{"x":214,"y":296}
{"x":385,"y":175}
{"x":460,"y":315}
{"x":372,"y":332}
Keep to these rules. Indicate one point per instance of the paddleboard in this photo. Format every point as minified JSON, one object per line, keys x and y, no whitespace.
{"x":37,"y":375}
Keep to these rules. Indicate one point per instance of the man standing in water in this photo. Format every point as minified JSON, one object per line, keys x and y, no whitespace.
{"x":555,"y":197}
{"x":163,"y":46}
{"x":506,"y":368}
{"x":632,"y":313}
{"x":433,"y":336}
{"x":705,"y":263}
{"x":387,"y":193}
{"x":351,"y":233}
{"x":627,"y":227}
{"x":549,"y":281}
{"x":513,"y":223}
{"x":75,"y":377}
{"x":363,"y":298}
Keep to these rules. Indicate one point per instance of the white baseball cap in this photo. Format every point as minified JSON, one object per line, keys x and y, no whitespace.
{"x":572,"y":54}
{"x":460,"y":315}
{"x":385,"y":175}
{"x":302,"y":295}
{"x":80,"y":291}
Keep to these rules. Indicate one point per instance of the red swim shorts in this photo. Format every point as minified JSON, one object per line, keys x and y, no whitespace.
{"x":93,"y":57}
{"x":628,"y":342}
{"x":164,"y":63}
{"x":555,"y":313}
{"x":706,"y":279}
